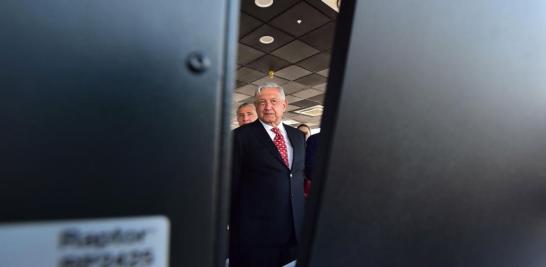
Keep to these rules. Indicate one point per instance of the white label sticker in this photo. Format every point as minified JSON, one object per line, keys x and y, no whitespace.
{"x":125,"y":242}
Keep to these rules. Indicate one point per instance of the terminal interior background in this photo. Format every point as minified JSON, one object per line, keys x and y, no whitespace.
{"x":297,"y":58}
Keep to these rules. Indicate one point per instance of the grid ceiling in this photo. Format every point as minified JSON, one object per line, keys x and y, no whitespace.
{"x":299,"y":56}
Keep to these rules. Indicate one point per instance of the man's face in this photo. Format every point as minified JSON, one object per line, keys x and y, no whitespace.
{"x":269,"y":106}
{"x":246,"y":115}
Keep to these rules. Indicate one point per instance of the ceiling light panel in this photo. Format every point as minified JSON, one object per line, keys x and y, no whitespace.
{"x":267,"y":39}
{"x":263,"y":3}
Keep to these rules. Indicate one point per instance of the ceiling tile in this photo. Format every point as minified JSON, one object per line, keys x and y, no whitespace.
{"x":289,"y":115}
{"x":293,"y":87}
{"x":246,"y":54}
{"x":240,"y":97}
{"x":307,"y":93}
{"x":247,"y":100}
{"x":313,"y":120}
{"x":291,"y":99}
{"x":300,"y":65}
{"x":293,"y":117}
{"x":316,"y":63}
{"x":268,"y":62}
{"x":303,"y":118}
{"x":295,"y":51}
{"x":321,"y":38}
{"x":265,"y":14}
{"x":249,"y":90}
{"x":324,"y":72}
{"x":318,"y":98}
{"x":310,"y":18}
{"x":239,"y":84}
{"x":312,"y":80}
{"x":291,"y":107}
{"x":253,"y":38}
{"x":304,"y":103}
{"x":248,"y":75}
{"x":324,"y":8}
{"x":265,"y":80}
{"x":320,"y":87}
{"x":292,"y":72}
{"x":247,"y":24}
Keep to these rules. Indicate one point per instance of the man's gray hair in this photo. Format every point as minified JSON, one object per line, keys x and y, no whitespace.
{"x":246,"y":104}
{"x":270,"y":85}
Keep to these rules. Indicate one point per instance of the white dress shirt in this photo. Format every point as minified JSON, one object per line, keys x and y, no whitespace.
{"x":289,"y":148}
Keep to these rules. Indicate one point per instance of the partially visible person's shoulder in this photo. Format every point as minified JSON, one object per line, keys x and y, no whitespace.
{"x":292,"y":130}
{"x":245,"y":128}
{"x":313,"y":138}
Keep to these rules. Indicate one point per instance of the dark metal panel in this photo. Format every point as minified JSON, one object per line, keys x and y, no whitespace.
{"x":434,"y":140}
{"x":101,"y":116}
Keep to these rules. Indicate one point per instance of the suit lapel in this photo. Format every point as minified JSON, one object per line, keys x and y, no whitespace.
{"x":294,"y":141}
{"x":266,"y":141}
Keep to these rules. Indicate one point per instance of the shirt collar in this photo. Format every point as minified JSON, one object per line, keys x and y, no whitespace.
{"x":269,"y":127}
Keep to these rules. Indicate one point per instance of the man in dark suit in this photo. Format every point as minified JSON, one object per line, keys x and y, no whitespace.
{"x":267,"y":186}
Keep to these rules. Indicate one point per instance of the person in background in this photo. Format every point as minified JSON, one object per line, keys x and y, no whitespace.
{"x":267,"y":198}
{"x":310,"y":159}
{"x":306,"y":130}
{"x":246,"y":113}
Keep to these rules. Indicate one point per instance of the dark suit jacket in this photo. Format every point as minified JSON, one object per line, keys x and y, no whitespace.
{"x":311,"y":154}
{"x":267,"y":199}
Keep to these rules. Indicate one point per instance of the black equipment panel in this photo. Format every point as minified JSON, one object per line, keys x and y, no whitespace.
{"x":119,"y":108}
{"x":434,"y":137}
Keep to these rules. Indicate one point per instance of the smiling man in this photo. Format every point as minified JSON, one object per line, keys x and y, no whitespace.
{"x":267,"y":186}
{"x":246,"y":113}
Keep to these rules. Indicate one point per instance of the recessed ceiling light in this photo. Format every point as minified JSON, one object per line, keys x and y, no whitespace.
{"x":266,"y":39}
{"x":298,"y":21}
{"x":263,"y":3}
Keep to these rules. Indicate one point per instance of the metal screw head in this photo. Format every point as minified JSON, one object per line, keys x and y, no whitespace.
{"x":198,"y":62}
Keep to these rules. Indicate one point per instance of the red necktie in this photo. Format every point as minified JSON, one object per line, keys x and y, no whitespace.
{"x":281,"y":145}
